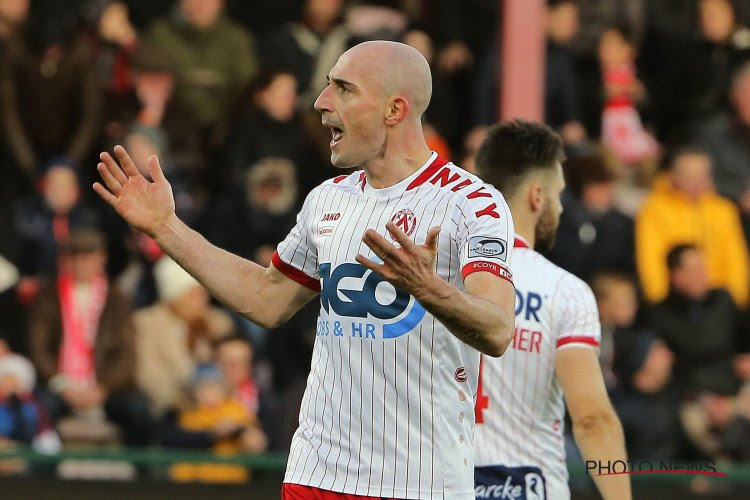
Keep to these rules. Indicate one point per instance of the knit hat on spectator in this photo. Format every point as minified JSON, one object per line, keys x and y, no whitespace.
{"x":19,"y":368}
{"x":171,"y":279}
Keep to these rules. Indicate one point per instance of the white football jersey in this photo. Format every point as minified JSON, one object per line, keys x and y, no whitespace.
{"x":388,"y":410}
{"x":520,"y":409}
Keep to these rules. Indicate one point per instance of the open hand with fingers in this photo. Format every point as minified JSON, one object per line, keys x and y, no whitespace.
{"x":410,"y":267}
{"x":145,"y":205}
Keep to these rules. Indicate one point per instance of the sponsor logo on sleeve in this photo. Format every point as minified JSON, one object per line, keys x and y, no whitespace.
{"x":486,"y":247}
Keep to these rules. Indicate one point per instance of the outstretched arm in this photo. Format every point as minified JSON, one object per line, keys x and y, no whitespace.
{"x":481,"y":316}
{"x":264,"y":295}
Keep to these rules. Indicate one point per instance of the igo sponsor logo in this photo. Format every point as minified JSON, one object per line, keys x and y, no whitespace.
{"x":484,"y":246}
{"x":353,"y":291}
{"x":509,"y":483}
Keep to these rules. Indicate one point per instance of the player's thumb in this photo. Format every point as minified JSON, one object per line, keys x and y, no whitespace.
{"x":155,"y":170}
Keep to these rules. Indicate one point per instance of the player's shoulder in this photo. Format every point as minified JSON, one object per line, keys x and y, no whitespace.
{"x":468,"y":192}
{"x":556,"y":277}
{"x":353,"y":181}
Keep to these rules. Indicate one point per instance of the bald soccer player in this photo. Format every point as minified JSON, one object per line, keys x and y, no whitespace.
{"x":410,"y":256}
{"x":520,"y":449}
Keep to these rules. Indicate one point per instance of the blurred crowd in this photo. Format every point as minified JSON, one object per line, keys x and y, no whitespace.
{"x":104,"y":340}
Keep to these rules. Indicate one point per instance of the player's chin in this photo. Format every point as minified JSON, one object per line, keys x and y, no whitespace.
{"x":339,"y":161}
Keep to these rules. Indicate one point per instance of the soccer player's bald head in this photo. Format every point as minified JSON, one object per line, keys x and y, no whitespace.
{"x":398,"y":69}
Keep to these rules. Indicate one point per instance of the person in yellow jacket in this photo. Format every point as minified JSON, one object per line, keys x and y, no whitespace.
{"x":235,"y":427}
{"x":683,"y":207}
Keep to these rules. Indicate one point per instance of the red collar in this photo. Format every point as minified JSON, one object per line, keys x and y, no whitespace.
{"x":520,"y":243}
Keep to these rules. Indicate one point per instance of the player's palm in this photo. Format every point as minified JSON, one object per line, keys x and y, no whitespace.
{"x":145,"y":205}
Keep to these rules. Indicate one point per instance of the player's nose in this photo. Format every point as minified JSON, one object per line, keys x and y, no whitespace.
{"x":323,"y":102}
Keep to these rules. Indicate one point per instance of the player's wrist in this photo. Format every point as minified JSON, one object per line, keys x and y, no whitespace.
{"x":434,"y":290}
{"x":163,"y":230}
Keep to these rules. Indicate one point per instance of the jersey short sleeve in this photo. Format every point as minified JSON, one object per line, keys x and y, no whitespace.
{"x":577,"y":315}
{"x":486,"y":241}
{"x":297,"y":257}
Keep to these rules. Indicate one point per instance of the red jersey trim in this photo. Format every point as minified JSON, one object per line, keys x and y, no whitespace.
{"x":489,"y":267}
{"x":577,"y":339}
{"x":295,"y":274}
{"x":427,"y":173}
{"x":290,"y":491}
{"x":520,"y":243}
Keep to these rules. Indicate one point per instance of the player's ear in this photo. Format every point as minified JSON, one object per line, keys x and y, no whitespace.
{"x":536,"y":196}
{"x":396,"y":110}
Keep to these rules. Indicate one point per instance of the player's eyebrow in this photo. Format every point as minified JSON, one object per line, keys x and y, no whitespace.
{"x":340,"y":82}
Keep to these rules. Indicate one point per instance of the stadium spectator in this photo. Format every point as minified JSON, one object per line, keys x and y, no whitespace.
{"x":466,"y":38}
{"x":696,"y":82}
{"x":213,"y":414}
{"x":637,"y":368}
{"x":214,"y":59}
{"x":683,"y":207}
{"x":81,"y":339}
{"x":362,"y":21}
{"x":703,"y":363}
{"x":258,"y":215}
{"x":270,"y":126}
{"x":561,"y":108}
{"x":45,"y":221}
{"x":234,"y":357}
{"x":116,"y":42}
{"x":617,"y":303}
{"x":175,"y":335}
{"x":595,"y":17}
{"x":295,"y":45}
{"x":725,"y":137}
{"x":593,"y":235}
{"x":646,"y":402}
{"x":622,"y":129}
{"x":718,"y":425}
{"x":47,"y":77}
{"x":23,"y":419}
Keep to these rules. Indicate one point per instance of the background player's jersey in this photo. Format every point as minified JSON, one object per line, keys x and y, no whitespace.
{"x":388,"y":410}
{"x":520,"y":408}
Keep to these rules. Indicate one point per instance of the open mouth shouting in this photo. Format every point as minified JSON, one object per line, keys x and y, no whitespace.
{"x":336,"y":134}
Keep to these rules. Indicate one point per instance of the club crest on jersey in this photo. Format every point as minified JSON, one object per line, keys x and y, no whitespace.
{"x":488,"y":247}
{"x":364,"y":305}
{"x":405,"y":220}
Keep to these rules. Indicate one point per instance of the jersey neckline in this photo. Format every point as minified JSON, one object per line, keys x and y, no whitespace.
{"x":401,"y":186}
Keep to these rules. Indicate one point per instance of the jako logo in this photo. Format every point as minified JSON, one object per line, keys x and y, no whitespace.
{"x":331,"y":217}
{"x":359,"y":287}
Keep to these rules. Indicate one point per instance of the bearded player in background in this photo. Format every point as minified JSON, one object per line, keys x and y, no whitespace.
{"x":519,"y":409}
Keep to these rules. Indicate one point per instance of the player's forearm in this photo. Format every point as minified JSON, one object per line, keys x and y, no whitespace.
{"x":475,"y":320}
{"x":600,"y":439}
{"x":234,"y":281}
